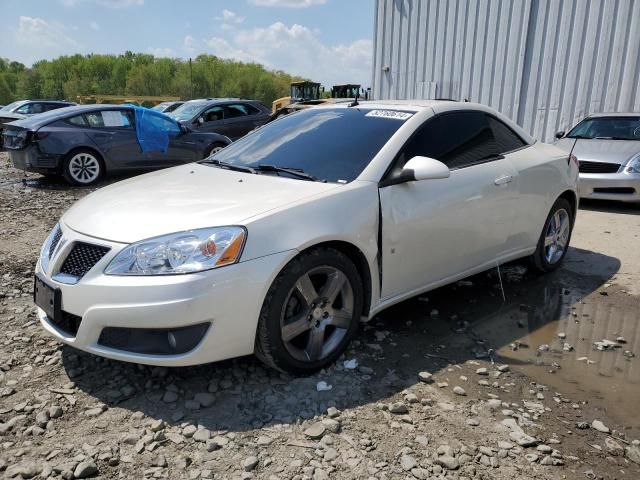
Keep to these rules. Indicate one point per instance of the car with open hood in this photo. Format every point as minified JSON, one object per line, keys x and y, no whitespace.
{"x":87,"y":142}
{"x":284,"y":242}
{"x":607,"y":146}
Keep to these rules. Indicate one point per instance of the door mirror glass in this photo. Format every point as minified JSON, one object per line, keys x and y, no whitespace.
{"x":425,"y":168}
{"x":560,"y":134}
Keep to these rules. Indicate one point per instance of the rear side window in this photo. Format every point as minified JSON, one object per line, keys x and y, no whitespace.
{"x":456,"y":139}
{"x":506,"y":139}
{"x":105,"y":119}
{"x":53,"y":106}
{"x":78,"y":120}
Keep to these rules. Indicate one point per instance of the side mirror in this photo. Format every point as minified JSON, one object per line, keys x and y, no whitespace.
{"x":183,"y":129}
{"x":419,"y":168}
{"x":200,"y":120}
{"x":560,"y":134}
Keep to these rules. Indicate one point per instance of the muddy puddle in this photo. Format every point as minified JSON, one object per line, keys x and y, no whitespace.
{"x":547,"y":328}
{"x":556,"y":339}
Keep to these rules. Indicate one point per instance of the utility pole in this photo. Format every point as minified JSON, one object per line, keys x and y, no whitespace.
{"x":191,"y":78}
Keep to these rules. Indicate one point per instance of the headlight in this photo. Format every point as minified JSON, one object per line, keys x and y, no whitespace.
{"x":182,"y":252}
{"x":634,"y":165}
{"x":49,"y":246}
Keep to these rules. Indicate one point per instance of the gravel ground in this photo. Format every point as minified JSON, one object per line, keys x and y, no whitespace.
{"x":423,"y":393}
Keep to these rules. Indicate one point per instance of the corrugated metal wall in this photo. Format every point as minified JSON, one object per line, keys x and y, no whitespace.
{"x":544,"y":63}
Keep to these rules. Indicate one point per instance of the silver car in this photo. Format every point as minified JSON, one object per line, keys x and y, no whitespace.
{"x":607,"y":145}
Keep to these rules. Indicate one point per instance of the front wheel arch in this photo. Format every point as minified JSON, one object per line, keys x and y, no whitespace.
{"x":274,"y":350}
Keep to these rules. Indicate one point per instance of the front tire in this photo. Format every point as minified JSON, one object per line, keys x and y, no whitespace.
{"x":83,"y":168}
{"x":310,"y":313}
{"x":555,"y":237}
{"x":213,"y":149}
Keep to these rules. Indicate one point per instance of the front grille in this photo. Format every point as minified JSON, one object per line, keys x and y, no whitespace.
{"x":598,"y":167}
{"x":54,"y":241}
{"x":67,"y":323}
{"x":82,"y":258}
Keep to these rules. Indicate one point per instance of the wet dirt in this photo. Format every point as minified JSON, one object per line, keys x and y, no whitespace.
{"x":450,"y":332}
{"x":474,"y":322}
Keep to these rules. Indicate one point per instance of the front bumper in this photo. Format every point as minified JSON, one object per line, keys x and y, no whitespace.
{"x":621,"y":186}
{"x":228,"y":299}
{"x":32,"y":160}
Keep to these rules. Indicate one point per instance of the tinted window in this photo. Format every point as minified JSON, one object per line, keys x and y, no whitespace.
{"x":456,"y":139}
{"x":240,"y":110}
{"x":506,"y":139}
{"x":333,"y":144}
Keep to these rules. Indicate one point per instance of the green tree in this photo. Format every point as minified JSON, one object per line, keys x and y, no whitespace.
{"x":140,"y":74}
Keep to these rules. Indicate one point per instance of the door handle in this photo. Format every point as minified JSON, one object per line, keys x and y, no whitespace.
{"x":503,"y":180}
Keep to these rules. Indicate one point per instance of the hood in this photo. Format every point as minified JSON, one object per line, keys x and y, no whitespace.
{"x":6,"y":117}
{"x":183,"y":198}
{"x":608,"y":151}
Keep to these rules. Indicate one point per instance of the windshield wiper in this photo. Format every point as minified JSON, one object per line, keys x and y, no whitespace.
{"x":296,"y":172}
{"x":228,"y":166}
{"x":582,"y":137}
{"x":612,"y":138}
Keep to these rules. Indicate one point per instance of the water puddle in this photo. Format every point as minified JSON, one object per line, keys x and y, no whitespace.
{"x":556,"y":337}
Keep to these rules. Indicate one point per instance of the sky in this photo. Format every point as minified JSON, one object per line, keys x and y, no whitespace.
{"x":329,"y":41}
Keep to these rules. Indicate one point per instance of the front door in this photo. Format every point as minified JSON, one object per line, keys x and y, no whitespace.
{"x":433,"y":230}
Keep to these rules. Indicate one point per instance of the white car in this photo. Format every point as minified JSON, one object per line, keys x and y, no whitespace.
{"x":283,"y":242}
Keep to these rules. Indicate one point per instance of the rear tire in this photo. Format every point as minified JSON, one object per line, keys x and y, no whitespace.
{"x":83,"y":167}
{"x":555,"y":237}
{"x":310,"y":313}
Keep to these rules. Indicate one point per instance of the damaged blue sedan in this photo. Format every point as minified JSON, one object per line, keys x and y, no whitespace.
{"x":84,"y":143}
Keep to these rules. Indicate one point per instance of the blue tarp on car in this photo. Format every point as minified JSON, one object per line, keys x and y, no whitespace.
{"x":154,"y":129}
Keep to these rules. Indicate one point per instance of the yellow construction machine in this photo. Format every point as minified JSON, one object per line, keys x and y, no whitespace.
{"x":300,"y":92}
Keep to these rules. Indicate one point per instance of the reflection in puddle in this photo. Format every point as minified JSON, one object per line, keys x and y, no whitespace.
{"x":551,"y":339}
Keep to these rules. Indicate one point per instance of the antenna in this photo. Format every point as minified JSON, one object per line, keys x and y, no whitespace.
{"x":355,"y":102}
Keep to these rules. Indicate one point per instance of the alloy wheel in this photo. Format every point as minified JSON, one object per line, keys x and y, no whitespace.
{"x":84,"y":168}
{"x":317,"y":314}
{"x":556,"y":237}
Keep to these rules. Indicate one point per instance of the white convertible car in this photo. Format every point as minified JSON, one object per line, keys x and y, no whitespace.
{"x":283,"y":242}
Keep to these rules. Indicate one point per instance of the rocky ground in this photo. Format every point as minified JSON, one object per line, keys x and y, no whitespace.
{"x":429,"y":389}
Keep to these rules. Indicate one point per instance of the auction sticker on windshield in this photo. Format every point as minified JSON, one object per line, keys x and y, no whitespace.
{"x":394,"y":114}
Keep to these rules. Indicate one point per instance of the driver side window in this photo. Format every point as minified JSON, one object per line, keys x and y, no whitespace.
{"x":213,"y":114}
{"x":458,"y":140}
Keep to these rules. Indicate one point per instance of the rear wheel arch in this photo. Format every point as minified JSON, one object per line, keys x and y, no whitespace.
{"x":82,"y":149}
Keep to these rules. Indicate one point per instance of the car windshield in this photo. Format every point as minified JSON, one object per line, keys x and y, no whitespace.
{"x":161,"y":106}
{"x":186,"y":111}
{"x":11,"y":106}
{"x":609,"y":128}
{"x":330,"y":144}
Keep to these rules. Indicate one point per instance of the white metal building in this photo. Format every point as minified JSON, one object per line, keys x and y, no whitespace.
{"x":544,"y":63}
